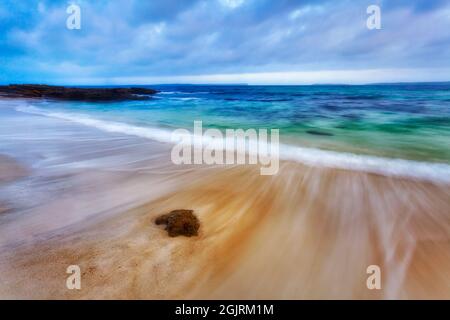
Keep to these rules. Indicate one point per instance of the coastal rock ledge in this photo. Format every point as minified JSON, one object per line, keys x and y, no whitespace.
{"x":75,"y":94}
{"x":180,"y":223}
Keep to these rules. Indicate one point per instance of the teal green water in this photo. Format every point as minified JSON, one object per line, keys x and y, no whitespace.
{"x":398,"y":121}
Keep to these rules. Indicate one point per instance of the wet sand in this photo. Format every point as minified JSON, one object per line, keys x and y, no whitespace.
{"x":303,"y":233}
{"x":10,"y":169}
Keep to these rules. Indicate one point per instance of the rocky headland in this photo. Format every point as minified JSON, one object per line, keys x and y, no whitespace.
{"x":75,"y":93}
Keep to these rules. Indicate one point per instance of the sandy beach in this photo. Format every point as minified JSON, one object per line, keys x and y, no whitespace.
{"x":304,"y":233}
{"x":225,"y":150}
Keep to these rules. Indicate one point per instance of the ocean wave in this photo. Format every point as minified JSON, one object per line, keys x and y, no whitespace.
{"x":108,"y":126}
{"x":168,"y":92}
{"x":186,"y":99}
{"x":429,"y":171}
{"x":182,"y":92}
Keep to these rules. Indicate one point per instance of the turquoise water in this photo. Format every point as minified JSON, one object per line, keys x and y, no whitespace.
{"x":395,"y":121}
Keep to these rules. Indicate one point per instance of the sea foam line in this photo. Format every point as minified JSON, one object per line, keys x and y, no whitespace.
{"x":429,"y":171}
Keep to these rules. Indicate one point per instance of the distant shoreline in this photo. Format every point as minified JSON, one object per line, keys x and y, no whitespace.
{"x":151,"y":85}
{"x":75,"y":93}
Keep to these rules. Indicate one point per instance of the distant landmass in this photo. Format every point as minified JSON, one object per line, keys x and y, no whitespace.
{"x":75,"y":93}
{"x":411,"y":83}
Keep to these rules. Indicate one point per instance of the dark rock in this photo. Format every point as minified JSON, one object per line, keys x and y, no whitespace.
{"x":75,"y":94}
{"x":319,"y":133}
{"x":180,"y":222}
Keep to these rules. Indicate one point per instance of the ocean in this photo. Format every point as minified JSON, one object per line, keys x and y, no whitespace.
{"x":401,"y":129}
{"x":83,"y":183}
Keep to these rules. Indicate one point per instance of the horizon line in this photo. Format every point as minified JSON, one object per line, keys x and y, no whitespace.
{"x":230,"y":84}
{"x":318,"y":77}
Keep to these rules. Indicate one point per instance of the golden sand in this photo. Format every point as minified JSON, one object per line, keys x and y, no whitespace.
{"x":304,"y":233}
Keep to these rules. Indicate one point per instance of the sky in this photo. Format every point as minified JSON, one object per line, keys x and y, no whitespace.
{"x":224,"y":41}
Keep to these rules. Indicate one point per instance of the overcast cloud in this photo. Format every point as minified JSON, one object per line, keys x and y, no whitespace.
{"x":137,"y":41}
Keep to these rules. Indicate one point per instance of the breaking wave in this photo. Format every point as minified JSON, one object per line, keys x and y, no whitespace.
{"x":430,"y":171}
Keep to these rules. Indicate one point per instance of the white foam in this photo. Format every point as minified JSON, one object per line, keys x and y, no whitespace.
{"x":109,"y":126}
{"x":429,"y":171}
{"x":173,"y":92}
{"x":167,"y":92}
{"x":186,"y":99}
{"x":182,"y":92}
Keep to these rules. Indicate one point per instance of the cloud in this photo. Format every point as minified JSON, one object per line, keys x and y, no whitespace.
{"x":232,"y":3}
{"x":159,"y":39}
